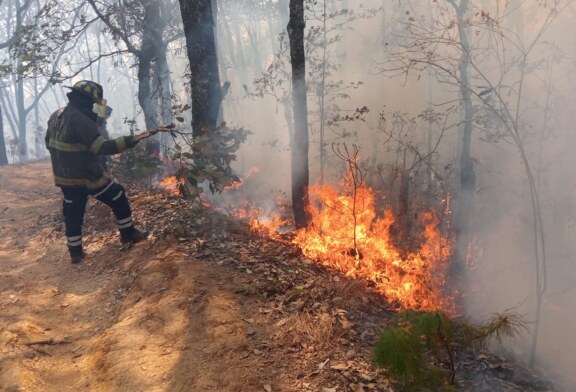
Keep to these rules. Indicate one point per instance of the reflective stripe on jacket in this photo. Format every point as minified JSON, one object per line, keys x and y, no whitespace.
{"x":74,"y":143}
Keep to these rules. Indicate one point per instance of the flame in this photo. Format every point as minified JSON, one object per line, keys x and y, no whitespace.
{"x":172,"y":184}
{"x":237,"y":184}
{"x":265,"y":222}
{"x":347,"y":234}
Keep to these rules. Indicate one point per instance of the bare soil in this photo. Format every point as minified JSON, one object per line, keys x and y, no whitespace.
{"x":169,"y":314}
{"x":203,"y":305}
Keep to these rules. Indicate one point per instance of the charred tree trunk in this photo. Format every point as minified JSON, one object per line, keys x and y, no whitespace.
{"x":206,"y":94}
{"x":3,"y":155}
{"x":299,"y":147}
{"x":403,"y":203}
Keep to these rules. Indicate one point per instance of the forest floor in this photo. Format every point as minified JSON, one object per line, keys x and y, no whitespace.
{"x":203,"y":305}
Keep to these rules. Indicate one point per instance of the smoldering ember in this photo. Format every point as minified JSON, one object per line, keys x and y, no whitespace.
{"x":287,"y":195}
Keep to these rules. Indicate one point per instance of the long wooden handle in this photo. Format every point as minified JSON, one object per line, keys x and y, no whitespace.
{"x":152,"y":132}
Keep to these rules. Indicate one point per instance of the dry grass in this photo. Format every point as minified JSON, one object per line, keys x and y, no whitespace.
{"x":304,"y":329}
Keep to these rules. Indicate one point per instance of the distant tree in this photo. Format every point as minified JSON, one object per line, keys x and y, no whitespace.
{"x":38,"y":36}
{"x":299,"y":145}
{"x":491,"y":73}
{"x":206,"y":95}
{"x":327,"y":23}
{"x":467,"y":173}
{"x":142,"y":28}
{"x":18,"y":23}
{"x":3,"y":155}
{"x":243,"y":39}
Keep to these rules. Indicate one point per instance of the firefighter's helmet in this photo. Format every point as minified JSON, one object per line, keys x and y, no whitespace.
{"x":89,"y":88}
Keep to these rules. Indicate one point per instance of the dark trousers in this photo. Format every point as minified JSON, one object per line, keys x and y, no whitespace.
{"x":74,"y":207}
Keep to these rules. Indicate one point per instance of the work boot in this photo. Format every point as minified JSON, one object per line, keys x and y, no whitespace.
{"x":132,"y":235}
{"x":76,"y":257}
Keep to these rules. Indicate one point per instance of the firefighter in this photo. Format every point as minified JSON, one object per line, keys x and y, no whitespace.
{"x":102,"y":123}
{"x":75,"y":144}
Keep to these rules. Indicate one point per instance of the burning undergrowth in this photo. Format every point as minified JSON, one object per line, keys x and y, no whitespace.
{"x":322,"y":323}
{"x":172,"y":184}
{"x":347,"y":233}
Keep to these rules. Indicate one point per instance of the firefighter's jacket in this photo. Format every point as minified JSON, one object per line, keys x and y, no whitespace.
{"x":75,"y":142}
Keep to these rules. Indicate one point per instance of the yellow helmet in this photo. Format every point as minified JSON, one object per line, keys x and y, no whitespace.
{"x":89,"y":88}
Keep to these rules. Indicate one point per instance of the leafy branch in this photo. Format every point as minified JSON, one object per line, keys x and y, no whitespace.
{"x":207,"y":158}
{"x":418,"y":349}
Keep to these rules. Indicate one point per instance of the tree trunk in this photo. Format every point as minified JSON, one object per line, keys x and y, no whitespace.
{"x":22,"y":115}
{"x":299,"y":147}
{"x":205,"y":80}
{"x":322,"y":96}
{"x":403,"y":201}
{"x":9,"y":113}
{"x":3,"y":154}
{"x":38,"y":131}
{"x":151,"y":39}
{"x":467,"y":173}
{"x":164,"y":92}
{"x":163,"y":75}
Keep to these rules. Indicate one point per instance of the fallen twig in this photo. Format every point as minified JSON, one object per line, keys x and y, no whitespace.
{"x":50,"y":341}
{"x":40,"y":351}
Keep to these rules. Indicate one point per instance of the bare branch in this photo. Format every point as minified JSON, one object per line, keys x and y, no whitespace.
{"x":105,"y":18}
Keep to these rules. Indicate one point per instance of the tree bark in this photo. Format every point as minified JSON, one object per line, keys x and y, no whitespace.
{"x":9,"y":113}
{"x":150,"y":53}
{"x":467,"y":173}
{"x":152,"y":43}
{"x":3,"y":154}
{"x":162,"y":74}
{"x":22,"y":117}
{"x":299,"y":143}
{"x":198,"y":21}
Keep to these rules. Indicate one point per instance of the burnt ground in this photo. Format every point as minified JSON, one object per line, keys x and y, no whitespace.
{"x":203,"y":305}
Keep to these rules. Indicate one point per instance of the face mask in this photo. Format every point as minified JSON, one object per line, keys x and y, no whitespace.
{"x":100,"y":109}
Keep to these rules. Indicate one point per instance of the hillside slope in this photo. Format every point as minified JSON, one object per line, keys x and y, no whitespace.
{"x":203,"y":305}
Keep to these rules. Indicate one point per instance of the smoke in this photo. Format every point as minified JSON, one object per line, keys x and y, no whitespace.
{"x":502,"y":273}
{"x":252,"y":54}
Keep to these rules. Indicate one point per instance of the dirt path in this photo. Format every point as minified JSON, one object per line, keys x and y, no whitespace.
{"x":203,"y":305}
{"x":153,"y":318}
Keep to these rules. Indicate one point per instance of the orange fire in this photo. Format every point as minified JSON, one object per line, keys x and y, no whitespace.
{"x":347,"y":234}
{"x":237,"y":184}
{"x":172,"y":184}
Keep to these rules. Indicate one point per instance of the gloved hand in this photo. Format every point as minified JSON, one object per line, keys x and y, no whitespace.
{"x":130,"y":141}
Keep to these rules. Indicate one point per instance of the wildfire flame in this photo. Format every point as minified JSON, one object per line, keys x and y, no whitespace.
{"x":347,"y":234}
{"x":237,"y":184}
{"x":172,"y":184}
